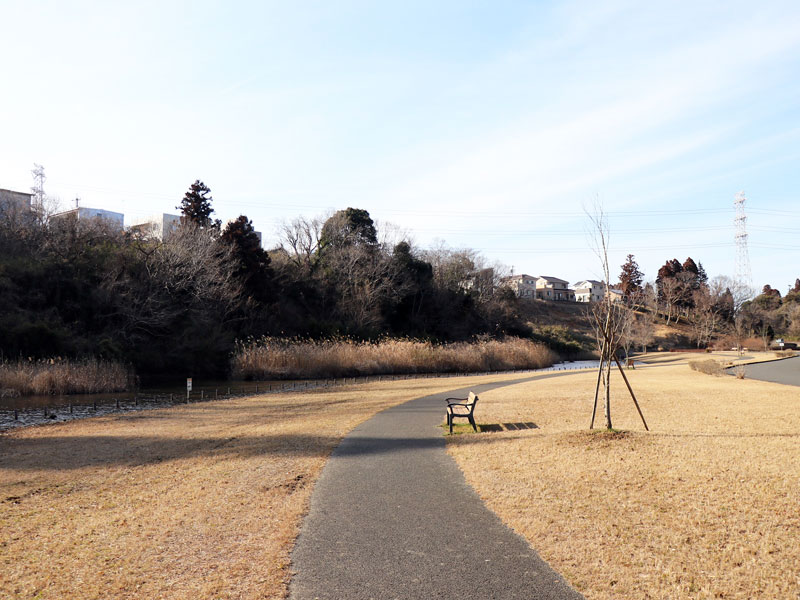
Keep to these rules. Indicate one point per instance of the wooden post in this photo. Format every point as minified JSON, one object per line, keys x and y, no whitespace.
{"x":216,"y":393}
{"x":70,"y":408}
{"x":117,"y":403}
{"x":16,"y":415}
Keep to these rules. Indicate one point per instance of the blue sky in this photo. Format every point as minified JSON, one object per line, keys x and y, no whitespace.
{"x":488,"y":125}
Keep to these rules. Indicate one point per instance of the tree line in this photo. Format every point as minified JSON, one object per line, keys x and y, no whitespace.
{"x":77,"y":287}
{"x":716,"y":310}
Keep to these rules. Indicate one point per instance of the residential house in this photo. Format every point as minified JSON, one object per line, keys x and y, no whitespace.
{"x":589,"y":290}
{"x":524,"y":286}
{"x":616,"y":295}
{"x":553,"y":288}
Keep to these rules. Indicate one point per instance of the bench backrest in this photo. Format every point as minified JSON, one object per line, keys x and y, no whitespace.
{"x":472,"y":400}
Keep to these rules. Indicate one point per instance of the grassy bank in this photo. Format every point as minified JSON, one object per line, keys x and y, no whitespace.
{"x":704,"y":506}
{"x":63,"y":376}
{"x":200,"y":501}
{"x":274,"y":358}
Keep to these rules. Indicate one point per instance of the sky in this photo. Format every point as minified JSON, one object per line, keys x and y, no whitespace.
{"x":486,"y":125}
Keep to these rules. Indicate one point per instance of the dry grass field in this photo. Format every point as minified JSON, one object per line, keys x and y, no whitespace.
{"x":704,"y":506}
{"x":197,"y":501}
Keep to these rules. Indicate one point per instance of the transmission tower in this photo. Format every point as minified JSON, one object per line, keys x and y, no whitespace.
{"x":38,"y":186}
{"x":743,"y":275}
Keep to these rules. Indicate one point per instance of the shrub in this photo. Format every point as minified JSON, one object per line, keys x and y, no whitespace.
{"x":709,"y":367}
{"x":784,"y":353}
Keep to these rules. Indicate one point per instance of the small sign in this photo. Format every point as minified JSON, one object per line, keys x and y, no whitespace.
{"x":188,"y":384}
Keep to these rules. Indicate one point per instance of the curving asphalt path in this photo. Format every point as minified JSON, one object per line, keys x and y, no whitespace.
{"x":785,"y":371}
{"x":392,"y":517}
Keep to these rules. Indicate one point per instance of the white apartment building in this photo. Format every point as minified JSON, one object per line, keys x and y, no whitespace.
{"x":156,"y":226}
{"x":85,"y":213}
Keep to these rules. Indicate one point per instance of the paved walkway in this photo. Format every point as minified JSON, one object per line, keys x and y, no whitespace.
{"x":778,"y":371}
{"x":392,"y":518}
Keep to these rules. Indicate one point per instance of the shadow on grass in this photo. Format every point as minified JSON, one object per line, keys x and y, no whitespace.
{"x":462,"y":428}
{"x":65,"y":453}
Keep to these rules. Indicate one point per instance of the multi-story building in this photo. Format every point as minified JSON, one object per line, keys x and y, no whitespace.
{"x":156,"y":226}
{"x":115,"y":219}
{"x":12,"y":202}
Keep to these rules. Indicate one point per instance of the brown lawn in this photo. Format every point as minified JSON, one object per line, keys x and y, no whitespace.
{"x":707,"y":505}
{"x":197,"y":501}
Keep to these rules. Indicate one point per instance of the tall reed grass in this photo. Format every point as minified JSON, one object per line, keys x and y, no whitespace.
{"x":63,"y":376}
{"x":280,"y":358}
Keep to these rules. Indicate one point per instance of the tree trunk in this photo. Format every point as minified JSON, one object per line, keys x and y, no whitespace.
{"x":607,"y":386}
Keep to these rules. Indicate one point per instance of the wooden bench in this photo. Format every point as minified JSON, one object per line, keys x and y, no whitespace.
{"x":464,"y":408}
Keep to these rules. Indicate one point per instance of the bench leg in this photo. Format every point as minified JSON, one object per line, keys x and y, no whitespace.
{"x":450,"y":422}
{"x":472,"y":422}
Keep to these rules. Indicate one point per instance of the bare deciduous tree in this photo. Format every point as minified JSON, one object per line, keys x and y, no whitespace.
{"x":300,"y":239}
{"x":611,"y":321}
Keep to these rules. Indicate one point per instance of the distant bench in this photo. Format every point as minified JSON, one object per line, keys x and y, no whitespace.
{"x":464,"y":408}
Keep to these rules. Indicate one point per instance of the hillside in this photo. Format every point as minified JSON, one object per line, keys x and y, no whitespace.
{"x":574,"y":320}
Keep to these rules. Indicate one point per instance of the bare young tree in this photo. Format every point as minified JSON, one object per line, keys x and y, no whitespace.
{"x":611,"y":320}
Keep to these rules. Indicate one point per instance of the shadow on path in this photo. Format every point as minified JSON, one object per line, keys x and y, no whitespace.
{"x":392,"y":517}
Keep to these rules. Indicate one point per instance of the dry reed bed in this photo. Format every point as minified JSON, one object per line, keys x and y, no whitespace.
{"x":197,"y":501}
{"x":275,"y":358}
{"x":63,"y":376}
{"x":705,"y":506}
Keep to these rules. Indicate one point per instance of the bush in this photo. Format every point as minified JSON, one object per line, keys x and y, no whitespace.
{"x":709,"y":367}
{"x":784,"y":353}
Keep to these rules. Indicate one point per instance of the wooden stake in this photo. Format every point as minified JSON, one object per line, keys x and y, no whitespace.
{"x":630,"y":389}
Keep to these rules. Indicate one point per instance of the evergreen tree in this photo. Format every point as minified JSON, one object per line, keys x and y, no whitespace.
{"x":350,"y":227}
{"x":630,"y":279}
{"x":702,"y":276}
{"x":253,"y":262}
{"x":196,"y":206}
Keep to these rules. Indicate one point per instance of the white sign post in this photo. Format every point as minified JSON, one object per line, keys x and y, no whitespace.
{"x":188,"y":387}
